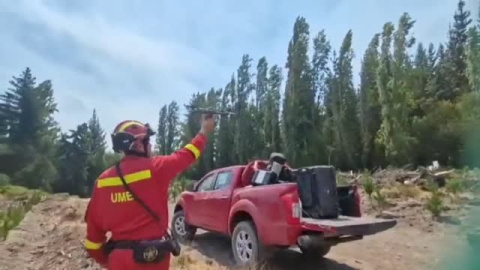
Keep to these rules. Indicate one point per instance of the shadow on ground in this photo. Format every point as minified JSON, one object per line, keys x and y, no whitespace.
{"x":218,"y":248}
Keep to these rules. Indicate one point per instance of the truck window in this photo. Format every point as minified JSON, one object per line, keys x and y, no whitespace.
{"x":206,"y":184}
{"x":224,"y":179}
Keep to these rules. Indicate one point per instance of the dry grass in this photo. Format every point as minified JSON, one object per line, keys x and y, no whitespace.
{"x":188,"y":261}
{"x":400,"y":191}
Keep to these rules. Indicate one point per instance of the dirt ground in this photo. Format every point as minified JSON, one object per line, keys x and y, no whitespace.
{"x":51,"y":235}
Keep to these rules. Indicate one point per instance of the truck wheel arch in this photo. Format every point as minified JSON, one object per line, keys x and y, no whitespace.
{"x":242,"y":211}
{"x":178,"y":207}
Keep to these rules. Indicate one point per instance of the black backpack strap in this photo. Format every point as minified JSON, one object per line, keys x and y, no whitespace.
{"x":142,"y":203}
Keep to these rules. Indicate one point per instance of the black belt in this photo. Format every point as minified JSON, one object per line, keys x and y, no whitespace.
{"x":130,"y":244}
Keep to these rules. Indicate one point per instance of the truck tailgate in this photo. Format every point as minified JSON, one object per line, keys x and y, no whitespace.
{"x":345,"y":225}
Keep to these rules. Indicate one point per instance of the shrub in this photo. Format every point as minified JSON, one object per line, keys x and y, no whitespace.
{"x":4,"y":180}
{"x":435,"y":204}
{"x":454,"y":186}
{"x":368,"y":184}
{"x":379,"y":198}
{"x":16,"y":212}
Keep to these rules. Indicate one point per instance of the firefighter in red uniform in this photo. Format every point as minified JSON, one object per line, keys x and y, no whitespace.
{"x":112,"y":208}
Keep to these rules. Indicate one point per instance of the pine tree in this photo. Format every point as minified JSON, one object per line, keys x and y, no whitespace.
{"x":172,"y":132}
{"x":162,"y":131}
{"x":74,"y":158}
{"x":457,"y":81}
{"x":421,"y":74}
{"x":98,"y":145}
{"x":473,"y":58}
{"x":438,"y":86}
{"x":30,"y":130}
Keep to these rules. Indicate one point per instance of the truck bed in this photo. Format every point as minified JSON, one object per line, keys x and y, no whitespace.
{"x":345,"y":225}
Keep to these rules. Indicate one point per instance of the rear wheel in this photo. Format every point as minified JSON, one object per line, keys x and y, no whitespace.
{"x":246,"y":247}
{"x":181,"y":230}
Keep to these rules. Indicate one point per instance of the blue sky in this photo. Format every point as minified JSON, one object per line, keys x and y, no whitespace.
{"x":127,"y":58}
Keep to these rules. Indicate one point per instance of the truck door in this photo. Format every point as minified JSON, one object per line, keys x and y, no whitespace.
{"x":217,"y":202}
{"x":196,"y":212}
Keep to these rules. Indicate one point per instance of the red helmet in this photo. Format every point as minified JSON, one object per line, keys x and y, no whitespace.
{"x":129,"y":132}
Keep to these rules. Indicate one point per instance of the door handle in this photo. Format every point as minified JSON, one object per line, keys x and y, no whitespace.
{"x":224,"y":197}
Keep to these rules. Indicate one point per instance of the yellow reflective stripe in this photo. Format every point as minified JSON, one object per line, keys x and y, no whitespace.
{"x":193,"y":149}
{"x":129,"y":178}
{"x":126,"y":125}
{"x":92,"y":245}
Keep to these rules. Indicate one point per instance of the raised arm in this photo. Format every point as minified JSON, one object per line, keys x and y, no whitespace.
{"x":171,"y":165}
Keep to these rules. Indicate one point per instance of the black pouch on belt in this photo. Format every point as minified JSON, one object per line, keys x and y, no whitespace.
{"x":150,"y":251}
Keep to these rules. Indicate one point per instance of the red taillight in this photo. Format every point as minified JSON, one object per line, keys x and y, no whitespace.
{"x":293,"y":208}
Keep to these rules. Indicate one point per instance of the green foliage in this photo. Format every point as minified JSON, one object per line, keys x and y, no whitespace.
{"x":299,"y":108}
{"x":368,"y":184}
{"x":407,"y":109}
{"x":454,"y":186}
{"x":178,"y":186}
{"x":15,"y":213}
{"x":4,"y":180}
{"x":379,"y":198}
{"x":435,"y":204}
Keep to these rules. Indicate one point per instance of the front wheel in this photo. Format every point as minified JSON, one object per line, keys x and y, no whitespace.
{"x":246,"y":247}
{"x":180,"y":229}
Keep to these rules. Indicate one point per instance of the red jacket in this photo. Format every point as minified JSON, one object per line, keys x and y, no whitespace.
{"x":112,"y":208}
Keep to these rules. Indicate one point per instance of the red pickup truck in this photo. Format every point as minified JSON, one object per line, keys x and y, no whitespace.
{"x":258,"y":218}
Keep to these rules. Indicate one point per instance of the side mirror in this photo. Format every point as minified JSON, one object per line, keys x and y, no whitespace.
{"x":190,"y":186}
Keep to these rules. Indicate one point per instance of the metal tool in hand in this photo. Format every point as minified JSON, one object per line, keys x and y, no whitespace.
{"x":208,"y":111}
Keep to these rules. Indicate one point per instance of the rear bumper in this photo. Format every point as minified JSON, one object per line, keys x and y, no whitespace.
{"x":343,"y":225}
{"x":310,"y":241}
{"x":340,"y":230}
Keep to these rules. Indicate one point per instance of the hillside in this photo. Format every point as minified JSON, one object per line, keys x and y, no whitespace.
{"x":50,"y":237}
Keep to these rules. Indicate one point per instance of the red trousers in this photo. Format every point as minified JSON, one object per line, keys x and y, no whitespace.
{"x":122,"y":259}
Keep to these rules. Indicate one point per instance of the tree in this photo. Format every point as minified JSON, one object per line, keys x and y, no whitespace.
{"x":96,"y":162}
{"x":225,"y":153}
{"x":395,"y":92}
{"x":172,"y":122}
{"x":473,"y":58}
{"x":99,"y":145}
{"x":242,"y":118}
{"x":273,"y":140}
{"x":259,"y":110}
{"x":74,"y":157}
{"x":162,"y":131}
{"x":30,"y":130}
{"x":457,"y":81}
{"x":369,"y":106}
{"x":342,"y":107}
{"x":299,"y":110}
{"x":190,"y":128}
